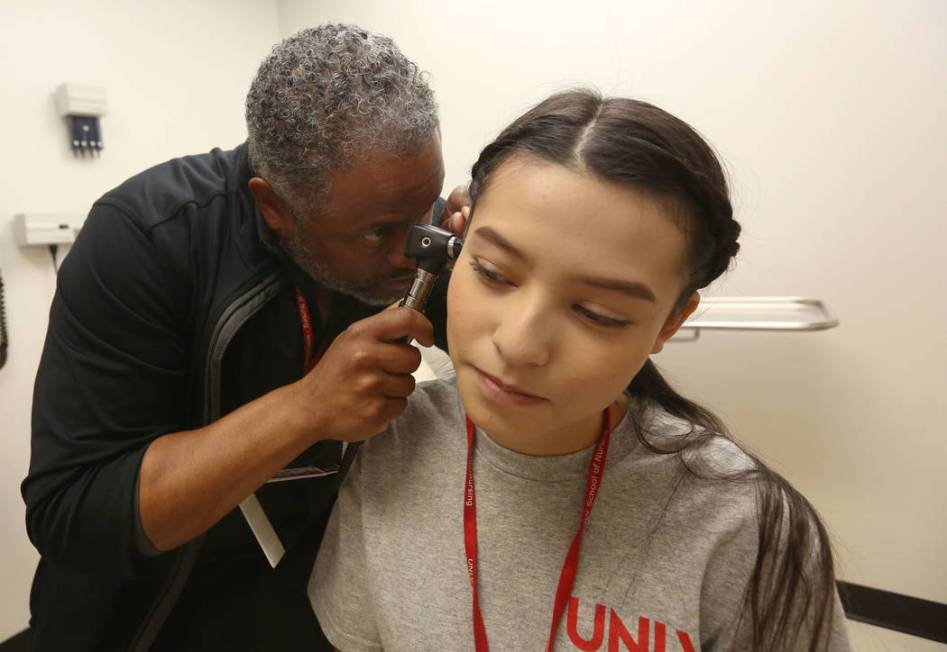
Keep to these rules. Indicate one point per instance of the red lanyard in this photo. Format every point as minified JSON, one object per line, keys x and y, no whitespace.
{"x":570,"y":565}
{"x":305,"y":320}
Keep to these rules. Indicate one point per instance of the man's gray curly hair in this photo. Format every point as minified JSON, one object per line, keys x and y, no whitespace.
{"x":327,"y":96}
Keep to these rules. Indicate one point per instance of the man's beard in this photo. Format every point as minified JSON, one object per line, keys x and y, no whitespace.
{"x":366,"y":291}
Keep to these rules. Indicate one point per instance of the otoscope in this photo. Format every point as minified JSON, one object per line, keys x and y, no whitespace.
{"x":432,"y":247}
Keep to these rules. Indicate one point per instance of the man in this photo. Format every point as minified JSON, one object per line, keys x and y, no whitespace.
{"x":219,"y":317}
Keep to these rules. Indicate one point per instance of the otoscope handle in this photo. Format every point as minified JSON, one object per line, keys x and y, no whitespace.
{"x":420,"y":290}
{"x":417,"y":296}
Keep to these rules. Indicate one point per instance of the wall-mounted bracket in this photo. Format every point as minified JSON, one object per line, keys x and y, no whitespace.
{"x":82,"y":105}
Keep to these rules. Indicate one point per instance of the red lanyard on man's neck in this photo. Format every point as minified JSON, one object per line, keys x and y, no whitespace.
{"x":310,"y":358}
{"x":571,"y":564}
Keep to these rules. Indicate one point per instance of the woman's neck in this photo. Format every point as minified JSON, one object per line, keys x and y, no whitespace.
{"x":564,"y":441}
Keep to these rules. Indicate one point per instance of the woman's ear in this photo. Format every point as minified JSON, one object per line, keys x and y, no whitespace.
{"x":675,"y":321}
{"x":275,"y":211}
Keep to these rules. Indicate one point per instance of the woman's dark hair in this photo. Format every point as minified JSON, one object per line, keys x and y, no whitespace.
{"x":791,"y":590}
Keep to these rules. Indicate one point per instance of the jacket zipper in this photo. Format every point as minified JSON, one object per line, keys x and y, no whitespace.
{"x":233,"y":318}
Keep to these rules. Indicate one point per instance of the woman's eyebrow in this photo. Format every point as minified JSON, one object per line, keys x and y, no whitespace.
{"x":495,"y":238}
{"x":630,"y":288}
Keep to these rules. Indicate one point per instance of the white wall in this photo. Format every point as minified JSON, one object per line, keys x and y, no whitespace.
{"x":176,"y":74}
{"x":832,"y":117}
{"x":829,"y":115}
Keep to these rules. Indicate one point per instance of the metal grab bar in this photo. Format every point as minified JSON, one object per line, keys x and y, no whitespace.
{"x":757,"y":314}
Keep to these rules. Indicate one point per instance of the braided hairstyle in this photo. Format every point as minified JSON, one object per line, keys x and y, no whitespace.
{"x":791,"y":591}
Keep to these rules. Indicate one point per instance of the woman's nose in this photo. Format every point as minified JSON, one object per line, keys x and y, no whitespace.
{"x":523,"y":336}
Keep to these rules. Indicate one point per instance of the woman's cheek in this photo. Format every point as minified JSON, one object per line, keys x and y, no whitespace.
{"x":465,"y":308}
{"x":617,"y":360}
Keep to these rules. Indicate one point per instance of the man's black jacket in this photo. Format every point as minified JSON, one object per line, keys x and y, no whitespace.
{"x":172,"y":308}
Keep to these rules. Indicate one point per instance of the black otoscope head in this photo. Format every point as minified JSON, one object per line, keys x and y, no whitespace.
{"x":432,"y":247}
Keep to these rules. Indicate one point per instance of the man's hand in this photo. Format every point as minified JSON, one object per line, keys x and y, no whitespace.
{"x":456,"y":211}
{"x":363,"y":380}
{"x":190,"y":479}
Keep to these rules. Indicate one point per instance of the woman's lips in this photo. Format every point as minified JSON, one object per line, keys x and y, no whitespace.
{"x":500,"y":392}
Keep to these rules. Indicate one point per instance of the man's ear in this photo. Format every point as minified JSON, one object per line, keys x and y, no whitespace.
{"x":675,"y":321}
{"x":276,"y":213}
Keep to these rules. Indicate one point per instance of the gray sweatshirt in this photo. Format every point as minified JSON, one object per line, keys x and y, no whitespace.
{"x":665,"y":560}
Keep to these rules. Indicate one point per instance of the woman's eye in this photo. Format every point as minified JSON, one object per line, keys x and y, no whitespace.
{"x":600,"y":319}
{"x":488,"y":274}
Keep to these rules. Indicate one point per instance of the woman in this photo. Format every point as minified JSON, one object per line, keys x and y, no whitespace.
{"x":559,"y":492}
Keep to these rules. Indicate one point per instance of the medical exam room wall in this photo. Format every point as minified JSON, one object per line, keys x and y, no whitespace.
{"x":832,"y":117}
{"x":176,"y":74}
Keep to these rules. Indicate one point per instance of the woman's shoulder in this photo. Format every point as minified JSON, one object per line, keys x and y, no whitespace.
{"x":681,"y":442}
{"x":433,"y":404}
{"x":731,"y":483}
{"x":433,"y":412}
{"x":720,"y":477}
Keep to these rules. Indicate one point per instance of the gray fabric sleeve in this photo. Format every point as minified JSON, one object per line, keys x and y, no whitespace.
{"x":838,"y":642}
{"x":742,"y":639}
{"x":339,"y":587}
{"x":724,"y":621}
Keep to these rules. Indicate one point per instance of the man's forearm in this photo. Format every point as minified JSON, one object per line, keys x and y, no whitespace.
{"x":189,"y":480}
